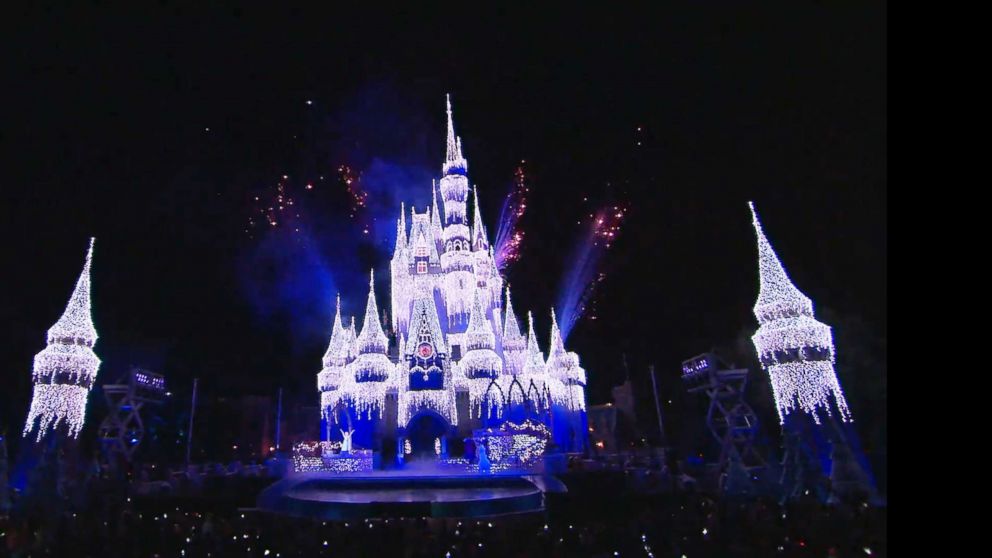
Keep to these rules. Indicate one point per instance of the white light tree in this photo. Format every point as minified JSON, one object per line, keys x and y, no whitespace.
{"x":64,"y":371}
{"x":795,"y":349}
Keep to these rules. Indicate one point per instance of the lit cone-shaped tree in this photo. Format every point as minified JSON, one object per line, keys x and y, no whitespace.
{"x":795,"y":349}
{"x":798,"y":353}
{"x":65,"y":370}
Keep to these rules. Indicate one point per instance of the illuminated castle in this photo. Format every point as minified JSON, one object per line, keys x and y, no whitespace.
{"x":456,"y":359}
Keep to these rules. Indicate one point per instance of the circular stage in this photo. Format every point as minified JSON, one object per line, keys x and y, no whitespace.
{"x":334,"y":496}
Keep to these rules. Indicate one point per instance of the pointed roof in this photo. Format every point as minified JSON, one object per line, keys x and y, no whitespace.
{"x":422,"y":235}
{"x":557,"y":344}
{"x":478,"y":229}
{"x":336,"y":348}
{"x":401,"y":238}
{"x":436,"y":213}
{"x":424,"y":316}
{"x":453,"y":161}
{"x":478,"y":326}
{"x":372,"y":339}
{"x":512,"y":338}
{"x":76,"y":321}
{"x":777,"y":296}
{"x":535,"y":358}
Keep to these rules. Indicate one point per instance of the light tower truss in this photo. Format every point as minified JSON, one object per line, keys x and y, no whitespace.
{"x":122,"y":430}
{"x":729,"y":418}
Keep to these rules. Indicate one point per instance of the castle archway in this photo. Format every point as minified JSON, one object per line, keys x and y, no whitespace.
{"x":423,"y":429}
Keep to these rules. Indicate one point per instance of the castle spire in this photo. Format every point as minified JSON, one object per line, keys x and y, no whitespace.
{"x":336,"y":348}
{"x":401,"y":240}
{"x":479,"y":240}
{"x":478,"y":330}
{"x":372,"y":339}
{"x":436,"y":213}
{"x":557,"y":344}
{"x":454,"y":162}
{"x":534,"y":363}
{"x":511,"y":328}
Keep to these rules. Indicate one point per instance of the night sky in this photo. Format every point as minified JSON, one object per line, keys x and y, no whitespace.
{"x":105,"y":134}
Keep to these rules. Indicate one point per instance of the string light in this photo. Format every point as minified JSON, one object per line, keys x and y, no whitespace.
{"x":795,"y":349}
{"x":443,"y":267}
{"x":64,"y":371}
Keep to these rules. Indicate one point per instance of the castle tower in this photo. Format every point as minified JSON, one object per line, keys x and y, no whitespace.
{"x":424,"y":257}
{"x":334,"y":373}
{"x":535,"y":379}
{"x":514,"y":343}
{"x":372,"y":367}
{"x":480,"y":364}
{"x":436,"y":228}
{"x":483,"y":265}
{"x":456,"y":261}
{"x":795,"y":349}
{"x":399,"y":275}
{"x":64,"y":371}
{"x":563,"y":367}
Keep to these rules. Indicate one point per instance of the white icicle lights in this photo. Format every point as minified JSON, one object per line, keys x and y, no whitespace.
{"x":64,"y":371}
{"x":454,"y":350}
{"x":795,"y":349}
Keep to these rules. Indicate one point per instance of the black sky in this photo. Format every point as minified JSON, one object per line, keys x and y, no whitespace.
{"x":104,"y":134}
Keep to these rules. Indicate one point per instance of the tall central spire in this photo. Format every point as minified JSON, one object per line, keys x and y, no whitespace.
{"x":454,"y":161}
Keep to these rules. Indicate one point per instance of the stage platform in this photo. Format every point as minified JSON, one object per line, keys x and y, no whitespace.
{"x":385,"y":494}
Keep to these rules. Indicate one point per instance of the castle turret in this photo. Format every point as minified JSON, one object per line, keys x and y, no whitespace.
{"x":436,"y":228}
{"x":535,"y":380}
{"x":563,"y":367}
{"x":64,"y":371}
{"x":372,"y":366}
{"x":399,"y":275}
{"x":514,"y":343}
{"x":334,"y":381}
{"x":456,"y":261}
{"x":481,"y":365}
{"x":795,"y":349}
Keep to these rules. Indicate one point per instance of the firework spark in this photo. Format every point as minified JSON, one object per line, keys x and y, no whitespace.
{"x":586,"y":272}
{"x":273,"y":207}
{"x":509,"y":237}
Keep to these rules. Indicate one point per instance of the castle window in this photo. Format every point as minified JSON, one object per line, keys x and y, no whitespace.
{"x":421,"y":267}
{"x":421,"y":251}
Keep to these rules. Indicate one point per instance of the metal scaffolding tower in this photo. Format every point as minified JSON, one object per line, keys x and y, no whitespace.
{"x":122,"y":430}
{"x":729,"y":418}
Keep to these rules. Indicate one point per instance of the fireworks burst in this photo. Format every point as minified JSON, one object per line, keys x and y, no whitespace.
{"x":585,"y":274}
{"x":509,"y":237}
{"x":358,"y":196}
{"x":274,"y":207}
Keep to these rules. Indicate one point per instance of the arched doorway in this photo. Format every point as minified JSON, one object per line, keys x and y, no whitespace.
{"x":422,"y":430}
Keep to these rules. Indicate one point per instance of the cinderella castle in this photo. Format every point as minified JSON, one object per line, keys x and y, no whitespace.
{"x":457,"y":359}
